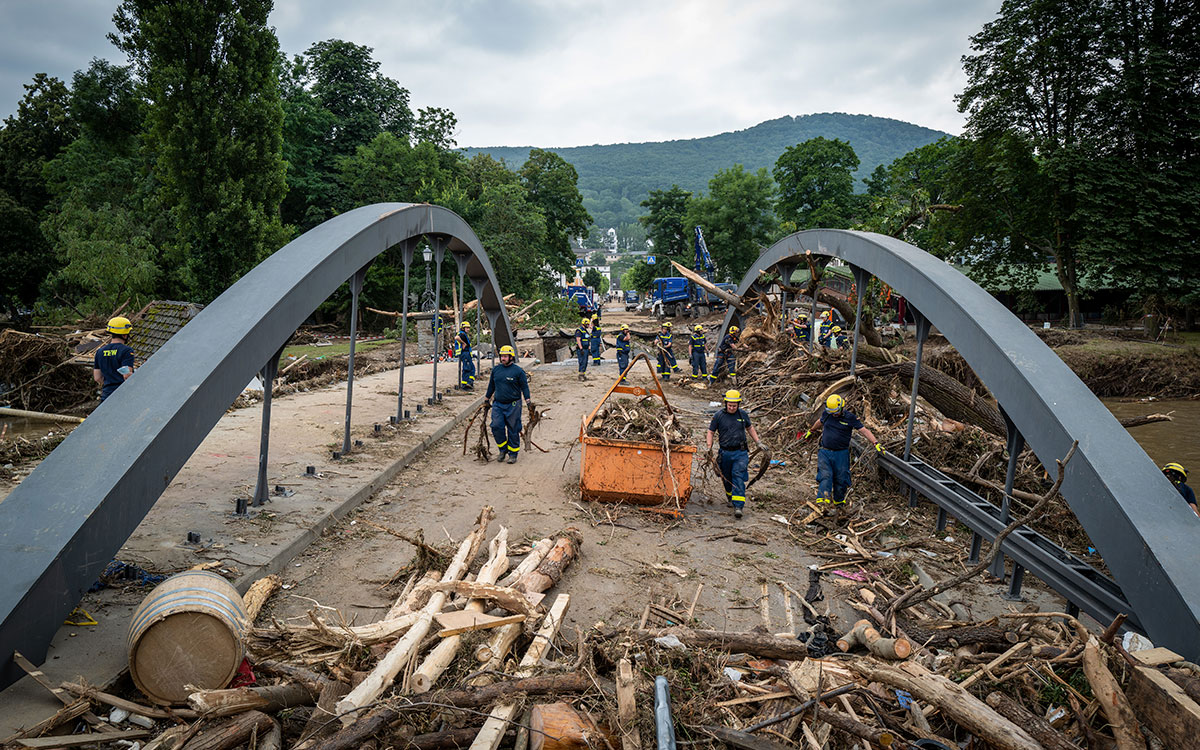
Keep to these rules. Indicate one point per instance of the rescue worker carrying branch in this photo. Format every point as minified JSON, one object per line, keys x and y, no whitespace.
{"x":732,"y":424}
{"x":507,"y":383}
{"x":836,"y":426}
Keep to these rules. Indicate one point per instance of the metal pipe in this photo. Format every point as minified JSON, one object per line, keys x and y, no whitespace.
{"x":460,"y":260}
{"x":664,"y":727}
{"x":1014,"y":443}
{"x":439,"y":253}
{"x":922,"y":334}
{"x":356,"y":283}
{"x":860,"y":282}
{"x":406,"y":251}
{"x":269,"y":371}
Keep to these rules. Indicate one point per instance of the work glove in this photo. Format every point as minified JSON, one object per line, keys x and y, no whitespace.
{"x":879,"y":448}
{"x":487,"y":402}
{"x":805,"y":436}
{"x":762,"y":445}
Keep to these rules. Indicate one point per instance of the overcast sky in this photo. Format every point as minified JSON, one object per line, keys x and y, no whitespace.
{"x":576,"y":72}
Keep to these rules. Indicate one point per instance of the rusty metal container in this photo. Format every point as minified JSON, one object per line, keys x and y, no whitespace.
{"x":634,"y":471}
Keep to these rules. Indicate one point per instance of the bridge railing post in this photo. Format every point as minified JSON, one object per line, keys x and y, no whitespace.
{"x":785,"y":279}
{"x":269,"y":371}
{"x":1014,"y":443}
{"x":406,"y":250}
{"x":922,"y":334}
{"x":860,"y":282}
{"x":439,"y":254}
{"x":356,"y":285}
{"x":477,"y":285}
{"x":460,"y":261}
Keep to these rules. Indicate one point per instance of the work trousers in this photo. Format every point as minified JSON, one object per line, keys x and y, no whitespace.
{"x":506,"y":426}
{"x":735,"y":472}
{"x":597,"y":346}
{"x":833,"y":475}
{"x":699,"y":363}
{"x":466,"y":375}
{"x":725,"y":363}
{"x":622,"y":360}
{"x":666,"y":363}
{"x":582,"y":354}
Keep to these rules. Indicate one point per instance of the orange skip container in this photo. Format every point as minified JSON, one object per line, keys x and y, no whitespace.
{"x":634,"y":471}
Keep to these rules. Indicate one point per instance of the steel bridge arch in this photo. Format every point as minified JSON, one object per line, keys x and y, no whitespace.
{"x":1132,"y":513}
{"x":62,"y":525}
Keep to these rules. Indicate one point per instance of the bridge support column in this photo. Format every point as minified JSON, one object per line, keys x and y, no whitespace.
{"x":922,"y":334}
{"x":860,"y":283}
{"x":493,"y":321}
{"x":1015,"y":441}
{"x":269,"y":371}
{"x":785,"y":279}
{"x":439,"y":254}
{"x":406,"y":251}
{"x":460,"y":261}
{"x":1014,"y":586}
{"x":356,"y":284}
{"x":477,"y":285}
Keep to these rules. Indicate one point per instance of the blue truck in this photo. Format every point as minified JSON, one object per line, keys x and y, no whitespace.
{"x":676,"y":296}
{"x":585,"y":297}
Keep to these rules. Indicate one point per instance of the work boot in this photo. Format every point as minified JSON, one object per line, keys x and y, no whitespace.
{"x":737,"y":511}
{"x":512,"y":457}
{"x":502,"y":456}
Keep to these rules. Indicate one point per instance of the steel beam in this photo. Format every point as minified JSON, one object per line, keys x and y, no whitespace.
{"x":356,"y":285}
{"x":63,"y":524}
{"x":861,"y":278}
{"x":407,"y":248}
{"x":439,"y":254}
{"x":1128,"y":508}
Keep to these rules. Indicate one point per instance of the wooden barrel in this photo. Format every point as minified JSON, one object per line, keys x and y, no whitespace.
{"x":187,"y":631}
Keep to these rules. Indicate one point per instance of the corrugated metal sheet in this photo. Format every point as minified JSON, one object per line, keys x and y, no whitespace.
{"x":157,"y":323}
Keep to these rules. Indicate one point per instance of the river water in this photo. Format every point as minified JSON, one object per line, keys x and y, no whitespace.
{"x":1166,"y":441}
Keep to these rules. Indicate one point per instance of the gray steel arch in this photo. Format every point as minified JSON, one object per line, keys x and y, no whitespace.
{"x":70,"y":516}
{"x":1135,"y":517}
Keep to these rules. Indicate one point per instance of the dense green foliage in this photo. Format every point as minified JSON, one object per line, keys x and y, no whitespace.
{"x":816,"y":184}
{"x":665,"y":222}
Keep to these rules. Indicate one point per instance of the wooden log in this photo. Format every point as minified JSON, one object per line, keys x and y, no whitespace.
{"x":631,"y":737}
{"x":367,"y":726}
{"x":390,"y":665}
{"x":1113,"y":703}
{"x":1164,"y":707}
{"x":744,"y":740}
{"x":6,"y":411}
{"x":988,"y":636}
{"x":711,"y":288}
{"x":453,"y":739}
{"x":514,"y":600}
{"x":854,"y":636}
{"x":887,"y":648}
{"x":551,"y":569}
{"x":234,"y":731}
{"x":986,"y":669}
{"x":268,"y":699}
{"x":852,"y":726}
{"x":766,"y":646}
{"x":292,"y":672}
{"x":1128,"y":422}
{"x":274,"y":738}
{"x":152,"y":712}
{"x":47,"y":743}
{"x":321,"y":723}
{"x":1040,"y":729}
{"x":538,"y":553}
{"x":956,"y":703}
{"x":558,"y":726}
{"x":440,"y":657}
{"x":258,"y":594}
{"x":493,"y":729}
{"x":946,"y":394}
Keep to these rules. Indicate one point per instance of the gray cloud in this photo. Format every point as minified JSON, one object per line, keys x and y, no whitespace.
{"x":571,"y":72}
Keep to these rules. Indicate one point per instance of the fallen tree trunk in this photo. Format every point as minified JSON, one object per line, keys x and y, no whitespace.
{"x":1039,"y":728}
{"x":269,"y":699}
{"x":231,"y":733}
{"x":959,"y":705}
{"x":766,"y":646}
{"x":550,"y":570}
{"x":1113,"y":703}
{"x":711,"y":288}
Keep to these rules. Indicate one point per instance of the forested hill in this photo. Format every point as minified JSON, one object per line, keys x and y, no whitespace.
{"x":615,"y":178}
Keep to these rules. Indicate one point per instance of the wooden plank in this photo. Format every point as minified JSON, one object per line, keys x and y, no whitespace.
{"x":455,"y":623}
{"x":63,"y":696}
{"x":1164,"y":707}
{"x":1156,"y":657}
{"x":76,"y":740}
{"x":754,"y":699}
{"x":63,"y":715}
{"x":631,"y":738}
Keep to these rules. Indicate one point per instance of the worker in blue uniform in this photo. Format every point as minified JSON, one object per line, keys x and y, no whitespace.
{"x":113,"y":362}
{"x":666,"y":356}
{"x":699,"y":358}
{"x":596,"y":340}
{"x":836,"y":425}
{"x":1178,"y":476}
{"x":800,"y":328}
{"x":732,"y":424}
{"x":582,"y":345}
{"x":507,"y":384}
{"x":726,"y":361}
{"x":466,"y":361}
{"x":834,"y":338}
{"x":624,"y":339}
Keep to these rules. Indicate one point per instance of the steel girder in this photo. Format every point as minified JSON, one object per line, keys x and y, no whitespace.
{"x":60,"y":527}
{"x":1135,"y":517}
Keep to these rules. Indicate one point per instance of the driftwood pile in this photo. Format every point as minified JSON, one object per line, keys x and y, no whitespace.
{"x":645,"y":420}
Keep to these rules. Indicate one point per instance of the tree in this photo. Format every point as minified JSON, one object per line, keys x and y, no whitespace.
{"x":594,"y":279}
{"x":514,"y":231}
{"x":816,"y":184}
{"x":436,"y":125}
{"x":596,"y":258}
{"x":552,"y":185}
{"x":912,"y":198}
{"x":389,"y":169}
{"x":737,"y":218}
{"x":209,"y":67}
{"x":665,"y":222}
{"x":26,"y":259}
{"x":1035,"y":73}
{"x":638,"y":277}
{"x":345,"y":80}
{"x":33,"y":136}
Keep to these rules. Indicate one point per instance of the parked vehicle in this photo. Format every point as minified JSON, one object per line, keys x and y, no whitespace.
{"x":632,"y":299}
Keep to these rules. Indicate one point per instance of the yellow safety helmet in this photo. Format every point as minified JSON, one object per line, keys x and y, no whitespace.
{"x":595,"y":317}
{"x":836,"y":329}
{"x":466,"y":324}
{"x":666,"y":324}
{"x":803,"y":316}
{"x":584,"y":322}
{"x":508,"y":350}
{"x":734,"y":329}
{"x":698,"y":327}
{"x":120,"y":326}
{"x":624,"y":326}
{"x":834,"y":404}
{"x":1175,"y":467}
{"x":734,"y":396}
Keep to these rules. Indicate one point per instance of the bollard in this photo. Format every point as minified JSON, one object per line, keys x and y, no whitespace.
{"x":310,"y":471}
{"x":337,"y":455}
{"x":241,"y":505}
